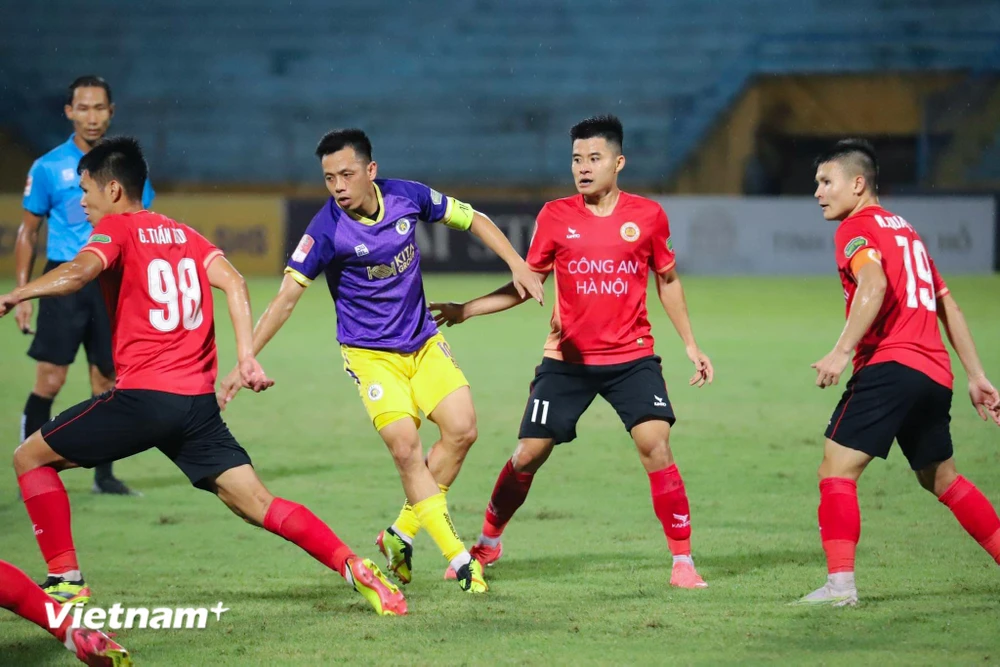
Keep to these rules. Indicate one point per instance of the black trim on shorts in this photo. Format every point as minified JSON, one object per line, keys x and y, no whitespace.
{"x":120,"y":423}
{"x":67,"y":322}
{"x":889,"y":401}
{"x":561,"y":392}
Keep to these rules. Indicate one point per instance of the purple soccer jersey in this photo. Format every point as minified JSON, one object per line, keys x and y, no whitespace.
{"x":373,"y":266}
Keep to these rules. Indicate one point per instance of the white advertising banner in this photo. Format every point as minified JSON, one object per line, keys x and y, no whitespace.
{"x":788,"y":235}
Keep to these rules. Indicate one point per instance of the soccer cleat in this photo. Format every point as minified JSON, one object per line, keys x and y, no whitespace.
{"x":485,"y":554}
{"x":827,"y":595}
{"x":685,"y":576}
{"x":470,"y":577}
{"x":398,"y":554}
{"x":66,"y":592}
{"x":381,"y":593}
{"x":96,"y":649}
{"x":112,"y":486}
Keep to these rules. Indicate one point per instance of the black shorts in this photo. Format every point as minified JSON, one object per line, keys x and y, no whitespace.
{"x":66,"y":322}
{"x":561,"y":392}
{"x":123,"y":422}
{"x":890,"y":401}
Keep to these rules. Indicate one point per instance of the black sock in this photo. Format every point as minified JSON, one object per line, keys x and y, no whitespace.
{"x":103,"y":471}
{"x":37,"y":411}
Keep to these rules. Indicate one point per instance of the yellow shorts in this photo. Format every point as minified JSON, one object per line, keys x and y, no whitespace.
{"x":394,"y":384}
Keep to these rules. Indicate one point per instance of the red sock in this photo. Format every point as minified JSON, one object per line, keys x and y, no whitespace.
{"x":670,"y":502}
{"x":508,"y":495}
{"x":48,"y":506}
{"x":23,"y":597}
{"x":974,"y":511}
{"x":839,"y":522}
{"x":297,"y":524}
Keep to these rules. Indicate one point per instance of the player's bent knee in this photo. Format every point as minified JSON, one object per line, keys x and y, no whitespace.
{"x":465,"y":437}
{"x":35,"y":453}
{"x":530,"y":455}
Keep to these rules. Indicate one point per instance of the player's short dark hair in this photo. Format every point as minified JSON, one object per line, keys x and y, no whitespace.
{"x":858,"y":153}
{"x":606,"y":126}
{"x":87,"y":81}
{"x":117,"y":159}
{"x":338,"y":140}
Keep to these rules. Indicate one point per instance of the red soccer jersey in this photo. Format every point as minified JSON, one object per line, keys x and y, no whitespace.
{"x":156,"y":288}
{"x":906,"y":328}
{"x":601,"y":270}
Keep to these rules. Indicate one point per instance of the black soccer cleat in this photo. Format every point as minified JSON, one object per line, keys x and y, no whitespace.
{"x":112,"y":486}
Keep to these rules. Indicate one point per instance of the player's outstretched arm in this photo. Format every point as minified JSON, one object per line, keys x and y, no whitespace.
{"x":984,"y":396}
{"x":24,"y":258}
{"x":671,"y":293}
{"x":223,"y":276}
{"x":277,"y":313}
{"x":867,"y":302}
{"x":60,"y":281}
{"x":506,"y":297}
{"x":526,"y":282}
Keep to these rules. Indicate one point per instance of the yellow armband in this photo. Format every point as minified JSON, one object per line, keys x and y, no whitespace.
{"x":458,"y":215}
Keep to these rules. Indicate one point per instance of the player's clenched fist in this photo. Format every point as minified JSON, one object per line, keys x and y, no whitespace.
{"x":7,"y":303}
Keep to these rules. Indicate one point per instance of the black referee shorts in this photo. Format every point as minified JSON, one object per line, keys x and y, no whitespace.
{"x":890,"y":401}
{"x":124,"y":422}
{"x":561,"y":392}
{"x":67,"y":322}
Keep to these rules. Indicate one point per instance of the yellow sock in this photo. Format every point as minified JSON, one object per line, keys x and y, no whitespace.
{"x":407,"y":522}
{"x":434,"y":518}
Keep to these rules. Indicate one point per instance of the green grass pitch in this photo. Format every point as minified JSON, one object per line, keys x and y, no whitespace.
{"x":585,"y":575}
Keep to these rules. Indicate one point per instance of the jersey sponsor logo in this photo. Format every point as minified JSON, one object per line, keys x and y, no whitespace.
{"x":68,"y":174}
{"x":571,"y":233}
{"x":302,"y":250}
{"x":630,"y":232}
{"x":401,"y":262}
{"x":402,"y":226}
{"x":361,"y":250}
{"x":436,"y":197}
{"x":375,"y":391}
{"x":854,"y":245}
{"x":641,"y":342}
{"x":99,"y":238}
{"x":27,"y":187}
{"x":670,"y":244}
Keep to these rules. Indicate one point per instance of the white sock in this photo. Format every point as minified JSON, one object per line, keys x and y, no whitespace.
{"x":348,"y":574}
{"x":488,"y":541}
{"x":684,"y":559}
{"x":460,"y":561}
{"x":841,"y":581}
{"x":406,"y":538}
{"x":68,"y":642}
{"x":72,"y":575}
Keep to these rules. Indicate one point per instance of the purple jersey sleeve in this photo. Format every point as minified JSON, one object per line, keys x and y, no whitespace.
{"x":436,"y":207}
{"x":314,"y":251}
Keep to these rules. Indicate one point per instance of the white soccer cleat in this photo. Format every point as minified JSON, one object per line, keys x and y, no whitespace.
{"x":829,"y":596}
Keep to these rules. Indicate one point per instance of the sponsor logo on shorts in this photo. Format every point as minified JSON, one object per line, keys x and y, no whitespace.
{"x":403,"y":226}
{"x":630,"y":232}
{"x":302,"y":250}
{"x":144,"y":618}
{"x":99,"y":238}
{"x":855,"y":244}
{"x":375,"y":391}
{"x":659,"y":403}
